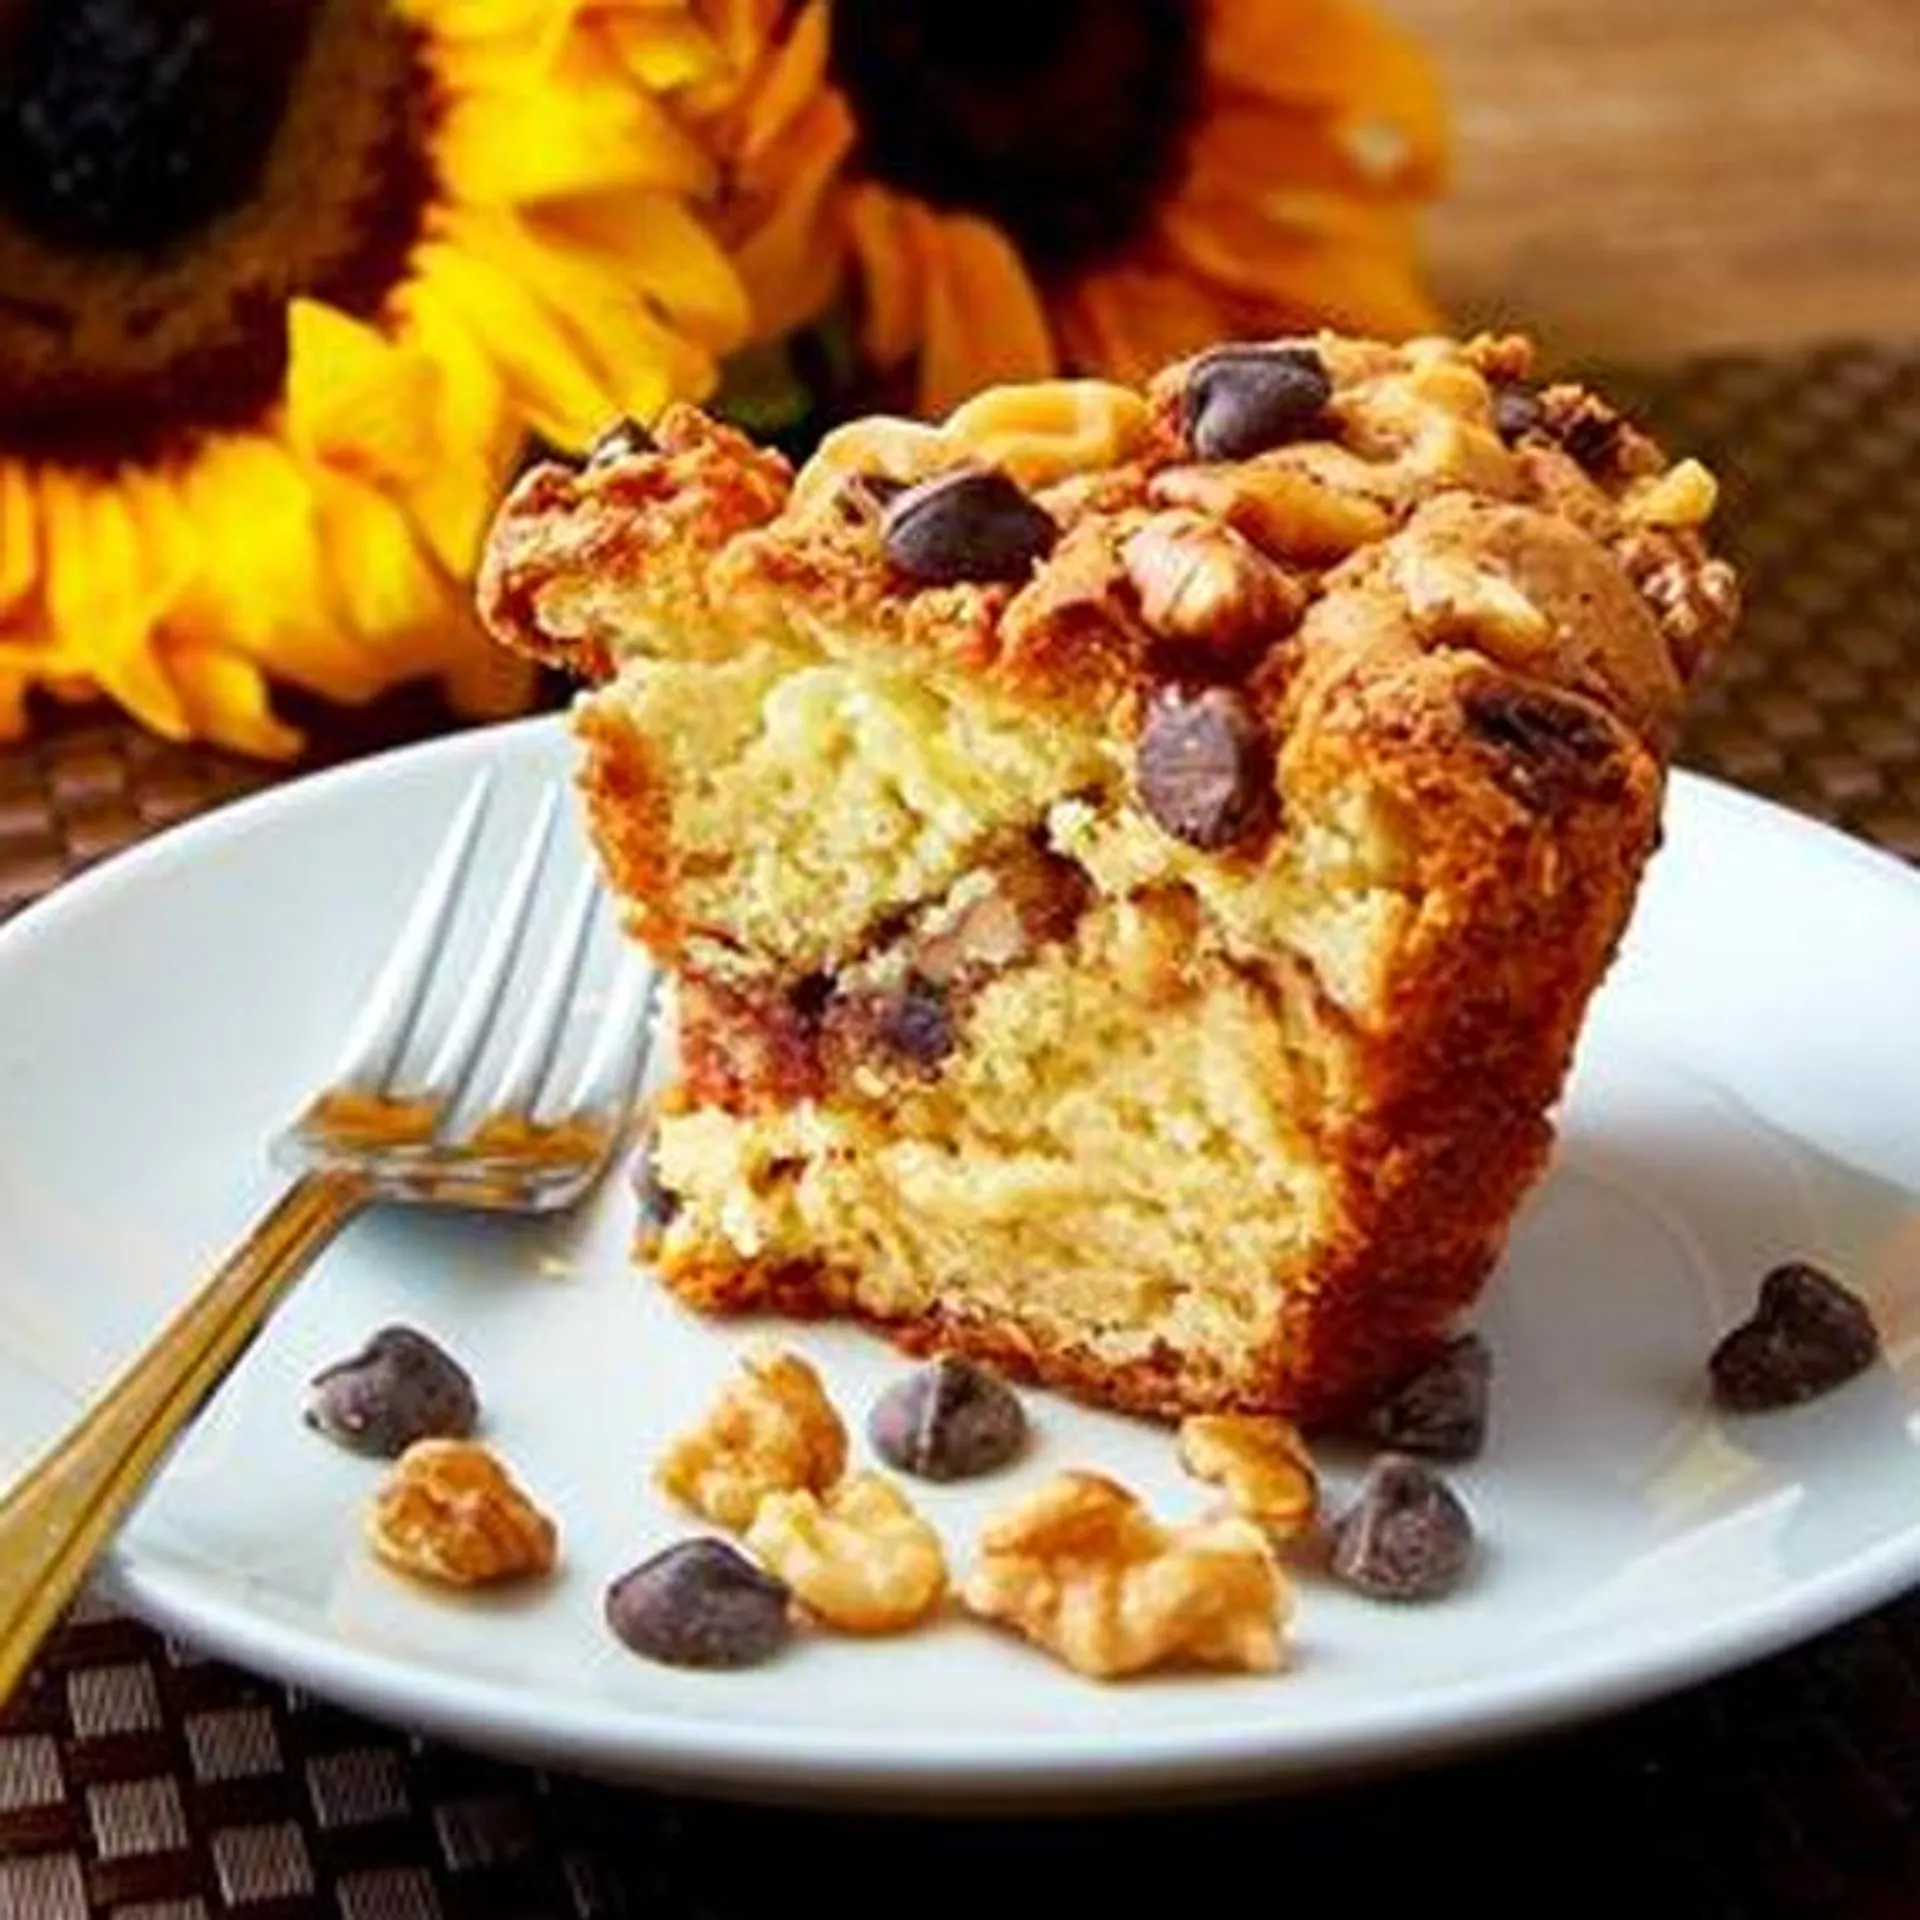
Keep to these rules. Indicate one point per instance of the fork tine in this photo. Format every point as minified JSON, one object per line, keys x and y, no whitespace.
{"x":618,"y":1058}
{"x":526,"y":1070}
{"x":381,"y":1033}
{"x":479,"y":1003}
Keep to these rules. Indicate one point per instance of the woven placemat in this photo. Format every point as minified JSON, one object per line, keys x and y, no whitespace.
{"x":140,"y":1781}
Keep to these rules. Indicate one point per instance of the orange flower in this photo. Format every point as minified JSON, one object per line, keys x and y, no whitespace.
{"x":1101,"y":184}
{"x":283,"y":288}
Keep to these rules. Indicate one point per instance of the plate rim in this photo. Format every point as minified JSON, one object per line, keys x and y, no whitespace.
{"x":619,"y":1739}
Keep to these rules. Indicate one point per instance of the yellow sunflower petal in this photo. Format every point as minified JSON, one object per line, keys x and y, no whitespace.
{"x":427,"y":623}
{"x":607,"y":328}
{"x":225,"y":697}
{"x":1132,"y":319}
{"x":355,"y":398}
{"x":890,"y":271}
{"x":496,"y":147}
{"x":1344,"y":55}
{"x":982,"y":321}
{"x":789,"y":81}
{"x":1244,"y":147}
{"x":101,"y":599}
{"x":19,"y":535}
{"x":790,"y":256}
{"x":537,"y":357}
{"x":262,"y":588}
{"x":458,"y":20}
{"x":1347,"y":262}
{"x":661,"y":50}
{"x":660,"y":246}
{"x":741,"y":30}
{"x":453,"y":499}
{"x":384,"y":578}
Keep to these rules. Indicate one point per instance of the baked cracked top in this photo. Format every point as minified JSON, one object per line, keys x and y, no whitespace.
{"x":1191,"y":583}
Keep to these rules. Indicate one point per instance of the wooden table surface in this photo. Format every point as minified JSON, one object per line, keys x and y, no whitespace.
{"x":1639,"y":179}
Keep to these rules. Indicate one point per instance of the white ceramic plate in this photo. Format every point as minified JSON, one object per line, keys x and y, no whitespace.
{"x":1748,"y":1089}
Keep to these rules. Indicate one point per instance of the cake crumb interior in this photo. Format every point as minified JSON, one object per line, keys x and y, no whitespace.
{"x":1120,"y":1153}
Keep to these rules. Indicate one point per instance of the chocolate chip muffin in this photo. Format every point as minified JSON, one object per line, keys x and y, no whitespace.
{"x":1134,"y":863}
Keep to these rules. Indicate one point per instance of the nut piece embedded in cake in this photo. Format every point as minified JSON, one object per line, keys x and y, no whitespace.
{"x":1082,"y":1569}
{"x":772,"y":1430}
{"x":450,"y":1512}
{"x":1201,"y":584}
{"x":860,"y":1558}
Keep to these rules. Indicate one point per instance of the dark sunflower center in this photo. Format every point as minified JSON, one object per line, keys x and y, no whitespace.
{"x":172,"y":174}
{"x":131,"y":123}
{"x":1063,"y":121}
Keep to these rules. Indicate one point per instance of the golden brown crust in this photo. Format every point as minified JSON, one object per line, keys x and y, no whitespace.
{"x":1483,"y":637}
{"x":629,"y":811}
{"x":577,"y":559}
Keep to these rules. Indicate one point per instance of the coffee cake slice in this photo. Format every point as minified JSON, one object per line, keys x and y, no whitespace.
{"x":1134,"y":863}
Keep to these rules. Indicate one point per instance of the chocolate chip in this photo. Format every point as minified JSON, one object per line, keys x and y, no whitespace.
{"x":1242,"y":400}
{"x":1517,"y":411}
{"x":400,"y":1387}
{"x":948,"y":1421}
{"x":1203,"y":767}
{"x":621,"y":441}
{"x":810,"y":994}
{"x":1586,"y":426}
{"x":917,"y":1023}
{"x":1407,"y":1537}
{"x":1551,"y":748}
{"x":1591,"y":440}
{"x":659,"y":1205}
{"x":1808,"y":1335}
{"x":700,"y":1603}
{"x":1441,"y":1411}
{"x":971,"y":524}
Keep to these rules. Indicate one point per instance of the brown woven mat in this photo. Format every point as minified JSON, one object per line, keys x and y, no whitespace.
{"x":141,"y":1782}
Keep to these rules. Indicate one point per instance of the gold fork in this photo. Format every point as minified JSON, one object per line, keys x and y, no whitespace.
{"x":381,"y":1129}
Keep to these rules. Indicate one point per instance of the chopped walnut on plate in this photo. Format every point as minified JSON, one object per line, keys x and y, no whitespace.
{"x":860,"y":1557}
{"x":1082,"y":1569}
{"x":450,"y":1512}
{"x":772,"y":1430}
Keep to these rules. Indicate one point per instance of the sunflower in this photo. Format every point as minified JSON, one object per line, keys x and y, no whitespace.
{"x":1097,"y":184}
{"x":284,"y":286}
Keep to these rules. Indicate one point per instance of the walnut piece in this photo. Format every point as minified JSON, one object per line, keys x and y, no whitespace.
{"x":902,"y":450}
{"x":1695,"y":599}
{"x":997,"y":916}
{"x":772,"y":1430}
{"x":1451,"y":597}
{"x":1039,"y":433}
{"x":1285,"y":510}
{"x":451,"y":1512}
{"x":1047,"y":430}
{"x":1683,"y":496}
{"x":861,"y":1558}
{"x":1202,"y":583}
{"x":1263,"y":1464}
{"x":1082,"y":1569}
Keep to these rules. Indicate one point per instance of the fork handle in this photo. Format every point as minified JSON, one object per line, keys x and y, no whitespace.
{"x":54,"y":1522}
